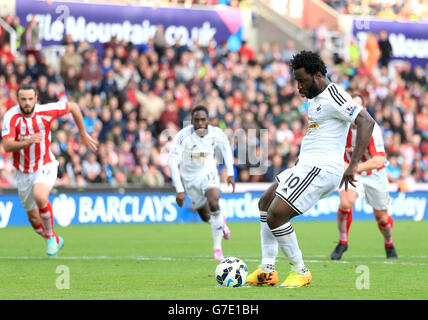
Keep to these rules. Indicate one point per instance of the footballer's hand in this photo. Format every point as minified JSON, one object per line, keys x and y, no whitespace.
{"x":180,"y":198}
{"x":89,"y":142}
{"x":36,"y":138}
{"x":231,"y":181}
{"x":349,"y":176}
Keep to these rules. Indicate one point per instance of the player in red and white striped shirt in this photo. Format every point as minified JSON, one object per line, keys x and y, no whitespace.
{"x":26,"y":133}
{"x":372,"y":183}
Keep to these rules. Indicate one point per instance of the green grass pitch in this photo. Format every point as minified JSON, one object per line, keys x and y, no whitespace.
{"x":159,"y":262}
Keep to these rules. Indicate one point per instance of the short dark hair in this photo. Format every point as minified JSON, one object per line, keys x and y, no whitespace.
{"x":359,"y":96}
{"x":200,"y":108}
{"x":310,"y":61}
{"x":26,"y":86}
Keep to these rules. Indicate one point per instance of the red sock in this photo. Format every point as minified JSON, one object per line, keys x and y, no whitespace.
{"x":39,"y":229}
{"x":386,"y":230}
{"x":47,"y":220}
{"x":344,"y":220}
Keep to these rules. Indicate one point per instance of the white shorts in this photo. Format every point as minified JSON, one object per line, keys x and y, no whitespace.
{"x":302,"y":186}
{"x":374,"y":188}
{"x":198,"y":185}
{"x":25,"y":182}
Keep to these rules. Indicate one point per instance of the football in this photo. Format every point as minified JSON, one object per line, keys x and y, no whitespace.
{"x":231,"y":272}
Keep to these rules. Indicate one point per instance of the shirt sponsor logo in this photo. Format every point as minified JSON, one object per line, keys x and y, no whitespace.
{"x":350,"y":109}
{"x":199,"y":155}
{"x":312,"y":125}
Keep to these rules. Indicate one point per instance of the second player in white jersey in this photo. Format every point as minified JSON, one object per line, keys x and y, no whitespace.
{"x":196,"y":154}
{"x":194,"y":171}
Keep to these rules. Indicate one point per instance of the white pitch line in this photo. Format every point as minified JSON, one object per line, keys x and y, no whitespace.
{"x":205,"y":258}
{"x":367,"y":256}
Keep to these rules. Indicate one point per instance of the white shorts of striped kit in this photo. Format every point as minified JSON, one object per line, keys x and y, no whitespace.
{"x":302,"y":186}
{"x":26,"y":181}
{"x":374,"y":188}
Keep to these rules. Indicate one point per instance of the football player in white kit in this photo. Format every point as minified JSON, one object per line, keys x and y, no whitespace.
{"x":320,"y":168}
{"x":26,"y":133}
{"x":193,"y":150}
{"x":372,"y":183}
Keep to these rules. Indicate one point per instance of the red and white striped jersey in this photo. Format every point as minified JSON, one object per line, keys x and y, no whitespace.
{"x":15,"y":125}
{"x":375,"y":147}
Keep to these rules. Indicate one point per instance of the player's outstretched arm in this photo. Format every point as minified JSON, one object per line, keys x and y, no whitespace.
{"x":365,"y":125}
{"x":373,"y":163}
{"x":85,"y":138}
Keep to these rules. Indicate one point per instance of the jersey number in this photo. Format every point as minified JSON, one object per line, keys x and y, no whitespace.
{"x":211,"y":176}
{"x":292,"y":182}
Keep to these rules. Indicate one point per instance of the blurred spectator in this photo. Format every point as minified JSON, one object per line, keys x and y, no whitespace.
{"x":31,"y":43}
{"x":91,"y":72}
{"x":6,"y":52}
{"x":393,"y":169}
{"x":137,"y":176}
{"x":289,"y":51}
{"x":159,"y":40}
{"x":321,"y":35}
{"x":153,"y":177}
{"x":63,"y":179}
{"x":109,"y":85}
{"x":150,"y":104}
{"x":91,"y":169}
{"x":372,"y":53}
{"x":385,"y":48}
{"x":16,"y":25}
{"x":34,"y":68}
{"x":246,"y":51}
{"x":71,"y":59}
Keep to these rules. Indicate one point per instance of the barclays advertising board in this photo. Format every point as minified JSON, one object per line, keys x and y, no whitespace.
{"x":115,"y":208}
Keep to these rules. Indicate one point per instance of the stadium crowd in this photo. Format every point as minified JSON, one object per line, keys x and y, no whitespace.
{"x":135,"y":98}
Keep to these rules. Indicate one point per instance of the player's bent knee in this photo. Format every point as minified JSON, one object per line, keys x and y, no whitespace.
{"x":275,"y":219}
{"x":41,"y":202}
{"x":346,"y":204}
{"x":213,"y":205}
{"x":381,"y":216}
{"x":267,"y":197}
{"x":204,"y":214}
{"x":347,"y":200}
{"x":263,"y":204}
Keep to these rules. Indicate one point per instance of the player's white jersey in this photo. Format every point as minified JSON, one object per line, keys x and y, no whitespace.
{"x":16,"y":126}
{"x":196,"y":154}
{"x":329,"y":117}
